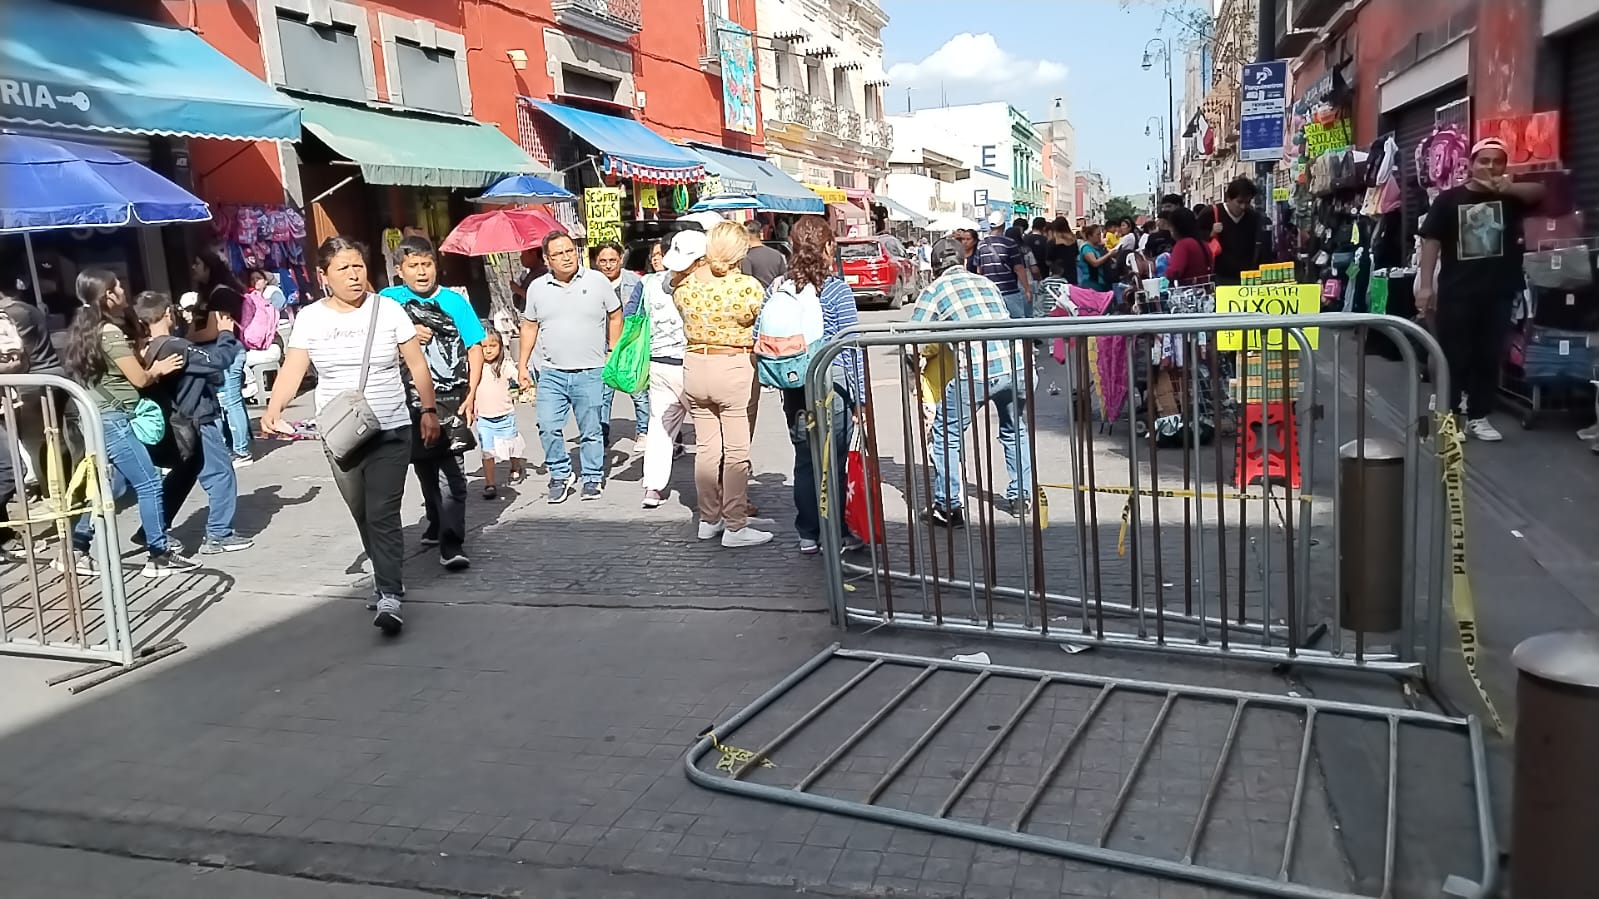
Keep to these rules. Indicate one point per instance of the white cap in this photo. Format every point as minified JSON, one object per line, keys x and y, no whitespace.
{"x":706,"y":219}
{"x":688,"y":247}
{"x":996,"y":219}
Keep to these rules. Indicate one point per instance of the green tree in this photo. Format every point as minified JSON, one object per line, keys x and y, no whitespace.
{"x":1118,"y":208}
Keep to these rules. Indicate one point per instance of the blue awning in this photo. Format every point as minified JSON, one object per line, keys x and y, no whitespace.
{"x":79,"y":68}
{"x":773,"y":189}
{"x":630,"y":149}
{"x":899,"y":212}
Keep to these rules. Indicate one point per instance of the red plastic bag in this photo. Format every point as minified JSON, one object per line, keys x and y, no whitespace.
{"x":858,"y":474}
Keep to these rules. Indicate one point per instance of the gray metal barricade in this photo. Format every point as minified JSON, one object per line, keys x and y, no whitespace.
{"x":53,"y":430}
{"x":1158,"y":548}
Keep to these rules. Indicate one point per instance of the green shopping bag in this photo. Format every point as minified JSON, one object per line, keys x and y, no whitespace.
{"x":628,"y":368}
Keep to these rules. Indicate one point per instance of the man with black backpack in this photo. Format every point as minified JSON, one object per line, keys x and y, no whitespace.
{"x":190,"y":399}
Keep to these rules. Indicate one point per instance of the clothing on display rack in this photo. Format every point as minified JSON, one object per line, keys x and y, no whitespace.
{"x":270,"y":238}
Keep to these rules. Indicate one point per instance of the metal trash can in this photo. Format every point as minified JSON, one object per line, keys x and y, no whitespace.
{"x":1371,"y":500}
{"x":1554,"y":816}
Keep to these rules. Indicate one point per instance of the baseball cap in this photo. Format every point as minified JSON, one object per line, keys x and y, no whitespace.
{"x":706,"y":219}
{"x":997,"y":219}
{"x":1488,"y":143}
{"x":688,"y":247}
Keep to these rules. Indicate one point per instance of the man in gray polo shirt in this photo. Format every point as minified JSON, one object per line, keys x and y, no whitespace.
{"x":572,"y":315}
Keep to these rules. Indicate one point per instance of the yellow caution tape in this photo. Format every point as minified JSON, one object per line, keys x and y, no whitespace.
{"x":1452,"y":448}
{"x":732,"y":756}
{"x":1130,"y":493}
{"x":84,"y":480}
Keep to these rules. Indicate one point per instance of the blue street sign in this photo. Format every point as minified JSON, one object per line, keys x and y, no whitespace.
{"x":1264,"y":111}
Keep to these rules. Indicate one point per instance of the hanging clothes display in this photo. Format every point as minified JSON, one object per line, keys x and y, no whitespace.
{"x":270,"y":238}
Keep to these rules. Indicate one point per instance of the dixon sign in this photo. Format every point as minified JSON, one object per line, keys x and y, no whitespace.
{"x":1274,"y":300}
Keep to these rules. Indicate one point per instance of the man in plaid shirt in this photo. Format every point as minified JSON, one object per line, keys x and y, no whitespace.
{"x":992,"y":370}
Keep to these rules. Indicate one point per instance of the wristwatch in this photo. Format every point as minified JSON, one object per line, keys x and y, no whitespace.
{"x":430,"y":411}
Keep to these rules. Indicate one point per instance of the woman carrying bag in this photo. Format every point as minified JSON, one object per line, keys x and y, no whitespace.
{"x":357,"y":341}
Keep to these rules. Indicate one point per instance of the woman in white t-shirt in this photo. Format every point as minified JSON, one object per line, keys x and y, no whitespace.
{"x":332,"y":335}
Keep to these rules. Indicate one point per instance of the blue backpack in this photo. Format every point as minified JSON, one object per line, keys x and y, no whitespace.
{"x":787,"y":331}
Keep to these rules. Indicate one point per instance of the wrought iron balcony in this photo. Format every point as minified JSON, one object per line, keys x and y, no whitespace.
{"x":849,"y":125}
{"x":616,"y":20}
{"x":824,"y":117}
{"x":793,"y":107}
{"x":877,"y":134}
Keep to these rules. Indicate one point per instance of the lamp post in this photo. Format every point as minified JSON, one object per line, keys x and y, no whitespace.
{"x":1159,"y":133}
{"x":1163,"y":50}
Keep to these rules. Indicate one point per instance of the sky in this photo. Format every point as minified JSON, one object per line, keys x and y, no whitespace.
{"x":1028,"y":52}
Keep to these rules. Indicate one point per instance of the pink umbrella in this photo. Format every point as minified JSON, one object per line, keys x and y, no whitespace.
{"x":500,"y":231}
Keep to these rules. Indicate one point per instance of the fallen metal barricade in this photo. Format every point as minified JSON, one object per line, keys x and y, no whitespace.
{"x":52,"y":428}
{"x":929,"y":785}
{"x":1180,"y":559}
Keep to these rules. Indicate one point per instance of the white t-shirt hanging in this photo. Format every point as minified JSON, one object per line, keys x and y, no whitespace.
{"x":335,"y":341}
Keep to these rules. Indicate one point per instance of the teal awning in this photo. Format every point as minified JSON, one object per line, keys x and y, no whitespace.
{"x":415,"y":150}
{"x":774,"y":190}
{"x":80,"y":68}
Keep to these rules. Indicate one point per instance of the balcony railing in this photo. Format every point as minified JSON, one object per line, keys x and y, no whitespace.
{"x":849,"y":125}
{"x":793,"y":107}
{"x":617,"y":20}
{"x":824,"y":117}
{"x":877,"y":134}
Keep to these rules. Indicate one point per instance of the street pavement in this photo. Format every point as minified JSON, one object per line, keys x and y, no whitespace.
{"x":525,"y":735}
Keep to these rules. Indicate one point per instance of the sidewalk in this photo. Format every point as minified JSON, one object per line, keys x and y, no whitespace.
{"x":525,"y":735}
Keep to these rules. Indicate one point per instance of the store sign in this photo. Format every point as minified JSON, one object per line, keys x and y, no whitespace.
{"x":45,"y":102}
{"x":1324,"y":137}
{"x":1265,"y":111}
{"x":1530,"y":140}
{"x":980,"y":198}
{"x":738,"y":76}
{"x":602,"y":214}
{"x":1268,"y":299}
{"x":649,"y":200}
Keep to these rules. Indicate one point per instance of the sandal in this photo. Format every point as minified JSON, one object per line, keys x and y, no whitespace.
{"x":491,"y":492}
{"x":517,"y":477}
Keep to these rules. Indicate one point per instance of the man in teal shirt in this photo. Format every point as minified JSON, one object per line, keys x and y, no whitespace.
{"x":451,"y":334}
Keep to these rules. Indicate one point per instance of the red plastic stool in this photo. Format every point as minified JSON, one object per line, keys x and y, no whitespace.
{"x":1268,"y":426}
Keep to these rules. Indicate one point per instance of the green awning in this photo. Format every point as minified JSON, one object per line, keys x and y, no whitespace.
{"x":414,"y":150}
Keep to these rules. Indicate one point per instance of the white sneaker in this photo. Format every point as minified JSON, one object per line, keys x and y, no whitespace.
{"x":1591,"y":432}
{"x":745,"y":536}
{"x":1483,"y":429}
{"x":710,"y":530}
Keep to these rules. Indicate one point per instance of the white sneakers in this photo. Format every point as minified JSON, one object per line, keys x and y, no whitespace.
{"x":1589,"y":433}
{"x":1483,"y":429}
{"x":744,"y":536}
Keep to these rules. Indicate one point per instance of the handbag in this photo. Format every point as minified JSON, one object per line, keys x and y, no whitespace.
{"x":861,"y":475}
{"x":347,"y":423}
{"x":627,"y":369}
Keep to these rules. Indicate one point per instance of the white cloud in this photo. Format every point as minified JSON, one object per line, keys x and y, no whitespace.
{"x":976,"y":61}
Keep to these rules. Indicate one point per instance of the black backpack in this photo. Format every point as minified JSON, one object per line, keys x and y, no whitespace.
{"x":181,"y":441}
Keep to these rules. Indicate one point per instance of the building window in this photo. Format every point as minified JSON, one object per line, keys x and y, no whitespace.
{"x":782,"y":65}
{"x":582,"y":84}
{"x":584,"y":68}
{"x":426,"y":65}
{"x":841,"y":92}
{"x":813,"y":78}
{"x":319,"y":46}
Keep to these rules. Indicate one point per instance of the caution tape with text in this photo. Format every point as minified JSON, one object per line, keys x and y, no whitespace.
{"x":1452,"y":447}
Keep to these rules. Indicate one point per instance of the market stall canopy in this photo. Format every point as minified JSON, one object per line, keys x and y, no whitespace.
{"x":946,"y":223}
{"x":500,"y":231}
{"x":54,"y":184}
{"x":772,"y":188}
{"x":529,"y":189}
{"x":725,"y":203}
{"x":898,"y":212}
{"x":829,"y":195}
{"x":80,"y":68}
{"x":415,"y":150}
{"x":630,"y":149}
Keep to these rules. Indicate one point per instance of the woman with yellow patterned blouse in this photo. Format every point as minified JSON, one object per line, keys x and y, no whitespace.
{"x":719,"y":305}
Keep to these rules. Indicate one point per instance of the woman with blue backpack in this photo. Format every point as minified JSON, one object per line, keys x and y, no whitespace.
{"x":804,"y":308}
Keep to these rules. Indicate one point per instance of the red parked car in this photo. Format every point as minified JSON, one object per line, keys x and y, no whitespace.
{"x":878,"y":269}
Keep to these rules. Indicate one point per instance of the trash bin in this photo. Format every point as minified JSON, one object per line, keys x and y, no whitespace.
{"x":1371,"y":502}
{"x":1554,"y":816}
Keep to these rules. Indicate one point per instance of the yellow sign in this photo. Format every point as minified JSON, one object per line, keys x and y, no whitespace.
{"x":1268,"y":299}
{"x":602,"y":214}
{"x":1279,"y":194}
{"x":1321,"y":138}
{"x":828,"y":194}
{"x":648,"y":198}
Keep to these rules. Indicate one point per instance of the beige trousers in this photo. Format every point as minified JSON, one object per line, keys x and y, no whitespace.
{"x":719,"y":391}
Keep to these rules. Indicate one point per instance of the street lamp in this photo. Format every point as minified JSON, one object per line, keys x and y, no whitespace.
{"x":1162,"y":49}
{"x":1159,"y":133}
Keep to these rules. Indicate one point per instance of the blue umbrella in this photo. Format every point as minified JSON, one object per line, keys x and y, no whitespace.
{"x":53,"y":184}
{"x":525,"y":189}
{"x":725,"y":203}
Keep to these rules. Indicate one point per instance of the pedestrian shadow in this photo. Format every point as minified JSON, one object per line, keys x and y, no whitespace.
{"x":256,"y":509}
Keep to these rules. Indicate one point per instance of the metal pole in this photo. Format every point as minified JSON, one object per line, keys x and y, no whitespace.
{"x":1171,"y":124}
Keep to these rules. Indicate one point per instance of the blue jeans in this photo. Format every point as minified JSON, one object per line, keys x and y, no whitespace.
{"x":1016,"y":305}
{"x":232,"y":397}
{"x":213,"y":469}
{"x":130,"y":465}
{"x":949,"y":429}
{"x":807,"y":514}
{"x":641,"y":412}
{"x":579,"y":394}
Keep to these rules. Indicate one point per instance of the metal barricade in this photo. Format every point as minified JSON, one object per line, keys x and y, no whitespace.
{"x":1160,"y":549}
{"x":48,"y":607}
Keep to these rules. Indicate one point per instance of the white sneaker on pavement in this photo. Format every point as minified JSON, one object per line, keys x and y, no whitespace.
{"x":710,"y":530}
{"x":745,"y":536}
{"x":1591,"y":432}
{"x":1483,"y":429}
